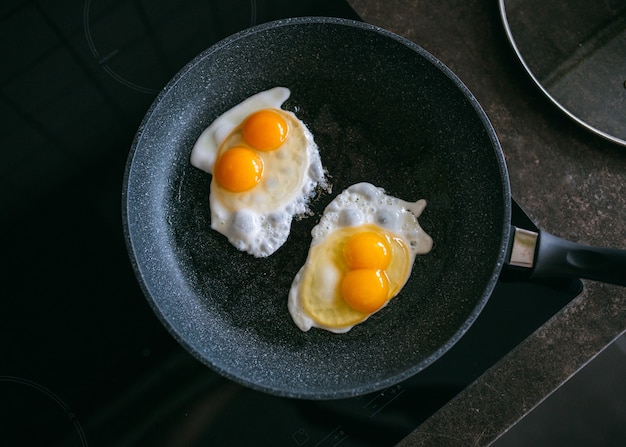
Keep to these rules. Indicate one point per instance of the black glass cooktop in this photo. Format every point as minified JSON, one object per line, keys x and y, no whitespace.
{"x":83,"y":359}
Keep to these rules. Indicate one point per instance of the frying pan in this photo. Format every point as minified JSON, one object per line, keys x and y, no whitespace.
{"x":382,"y":110}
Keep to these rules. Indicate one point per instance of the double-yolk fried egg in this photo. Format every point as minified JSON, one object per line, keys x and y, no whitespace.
{"x":265,"y":167}
{"x":361,"y":255}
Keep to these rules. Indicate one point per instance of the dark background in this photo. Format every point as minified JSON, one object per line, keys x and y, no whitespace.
{"x":83,"y":359}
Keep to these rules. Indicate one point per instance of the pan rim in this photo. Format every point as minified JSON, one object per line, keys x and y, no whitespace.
{"x":366,"y":387}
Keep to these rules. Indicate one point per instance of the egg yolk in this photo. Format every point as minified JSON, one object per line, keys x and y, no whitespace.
{"x":365,"y":290}
{"x":265,"y":130}
{"x":238,"y":169}
{"x":365,"y":286}
{"x":367,"y":250}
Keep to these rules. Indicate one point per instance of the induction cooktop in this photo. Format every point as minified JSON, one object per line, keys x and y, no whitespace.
{"x":84,"y":360}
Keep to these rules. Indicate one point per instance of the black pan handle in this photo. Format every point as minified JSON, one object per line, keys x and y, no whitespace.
{"x":556,"y":257}
{"x":549,"y":256}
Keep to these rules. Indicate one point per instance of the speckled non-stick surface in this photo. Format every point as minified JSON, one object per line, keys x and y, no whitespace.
{"x":382,"y":110}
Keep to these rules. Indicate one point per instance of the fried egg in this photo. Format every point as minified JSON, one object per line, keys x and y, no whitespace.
{"x":265,"y":168}
{"x":361,"y":255}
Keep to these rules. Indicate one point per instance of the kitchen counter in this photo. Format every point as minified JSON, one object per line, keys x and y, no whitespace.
{"x":570,"y":182}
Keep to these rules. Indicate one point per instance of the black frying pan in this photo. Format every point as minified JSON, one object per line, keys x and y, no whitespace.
{"x":382,"y":110}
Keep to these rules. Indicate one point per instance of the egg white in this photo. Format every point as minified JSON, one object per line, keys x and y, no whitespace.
{"x":319,"y":280}
{"x":258,"y":221}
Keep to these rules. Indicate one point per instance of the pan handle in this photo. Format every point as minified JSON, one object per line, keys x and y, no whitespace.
{"x":550,"y":256}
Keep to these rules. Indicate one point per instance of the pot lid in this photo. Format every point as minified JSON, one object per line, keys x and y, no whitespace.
{"x":575,"y":51}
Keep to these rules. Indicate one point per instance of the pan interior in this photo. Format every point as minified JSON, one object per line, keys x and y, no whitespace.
{"x":382,"y":110}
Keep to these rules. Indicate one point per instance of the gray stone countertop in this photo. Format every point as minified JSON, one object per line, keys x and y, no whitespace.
{"x":569,"y":181}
